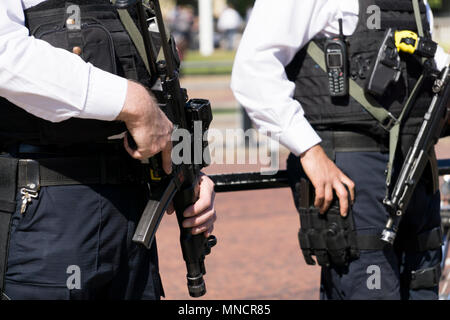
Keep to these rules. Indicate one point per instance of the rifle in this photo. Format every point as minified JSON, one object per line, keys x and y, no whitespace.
{"x":434,"y":121}
{"x":248,"y":181}
{"x":180,"y":186}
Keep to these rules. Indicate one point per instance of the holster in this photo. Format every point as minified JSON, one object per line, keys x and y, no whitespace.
{"x":329,"y":236}
{"x":8,"y":187}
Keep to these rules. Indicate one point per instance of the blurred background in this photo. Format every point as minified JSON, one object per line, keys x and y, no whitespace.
{"x":257,"y":255}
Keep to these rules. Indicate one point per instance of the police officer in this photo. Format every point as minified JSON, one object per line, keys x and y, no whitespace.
{"x":70,"y":195}
{"x":335,"y":142}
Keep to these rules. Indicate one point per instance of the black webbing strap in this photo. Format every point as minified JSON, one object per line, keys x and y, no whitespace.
{"x":8,"y":178}
{"x":429,"y":240}
{"x":370,"y":242}
{"x":348,"y":141}
{"x":425,"y":241}
{"x":80,"y":170}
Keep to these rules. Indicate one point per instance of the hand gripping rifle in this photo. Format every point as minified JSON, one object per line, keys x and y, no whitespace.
{"x":417,"y":157}
{"x":180,"y":186}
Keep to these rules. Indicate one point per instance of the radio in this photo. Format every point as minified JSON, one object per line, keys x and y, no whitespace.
{"x":336,"y":63}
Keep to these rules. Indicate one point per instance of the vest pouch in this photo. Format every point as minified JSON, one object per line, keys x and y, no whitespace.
{"x":386,"y":68}
{"x":329,"y":236}
{"x":92,"y":42}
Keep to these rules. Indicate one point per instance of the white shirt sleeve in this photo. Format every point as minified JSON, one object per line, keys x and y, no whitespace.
{"x":52,"y":83}
{"x":272,"y":37}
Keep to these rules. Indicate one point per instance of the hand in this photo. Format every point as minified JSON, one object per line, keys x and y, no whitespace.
{"x":326,"y":177}
{"x":147,"y":124}
{"x":200,"y":216}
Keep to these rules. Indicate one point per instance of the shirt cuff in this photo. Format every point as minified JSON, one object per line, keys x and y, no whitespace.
{"x":106,"y":96}
{"x":299,"y":137}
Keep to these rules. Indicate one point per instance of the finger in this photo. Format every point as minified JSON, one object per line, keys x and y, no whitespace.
{"x":202,"y":228}
{"x":132,"y":152}
{"x":328,"y":199}
{"x":342,"y":194}
{"x":170,"y":208}
{"x":206,"y":198}
{"x":167,"y":158}
{"x":200,"y":219}
{"x":351,"y":187}
{"x":320,"y":195}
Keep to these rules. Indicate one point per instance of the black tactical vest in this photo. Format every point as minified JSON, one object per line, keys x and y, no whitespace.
{"x":327,"y":114}
{"x":103,"y":42}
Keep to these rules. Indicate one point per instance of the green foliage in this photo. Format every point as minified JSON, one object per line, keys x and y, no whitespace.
{"x":220,"y":62}
{"x":435,"y":4}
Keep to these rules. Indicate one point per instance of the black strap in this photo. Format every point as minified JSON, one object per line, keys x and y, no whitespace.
{"x":8,"y":178}
{"x":429,"y":240}
{"x":81,"y":170}
{"x":370,"y":242}
{"x":346,"y":141}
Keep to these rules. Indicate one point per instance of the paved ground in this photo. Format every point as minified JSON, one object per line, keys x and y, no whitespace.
{"x":257,"y":255}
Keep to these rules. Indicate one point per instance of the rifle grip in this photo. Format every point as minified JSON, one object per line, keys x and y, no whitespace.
{"x":130,"y":140}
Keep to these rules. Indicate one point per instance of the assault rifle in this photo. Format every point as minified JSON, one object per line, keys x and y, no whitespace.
{"x":180,"y":186}
{"x":434,"y":121}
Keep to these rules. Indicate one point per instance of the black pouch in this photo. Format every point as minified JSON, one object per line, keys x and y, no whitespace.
{"x":88,"y":38}
{"x":330,"y":237}
{"x":386,"y":68}
{"x":93,"y":42}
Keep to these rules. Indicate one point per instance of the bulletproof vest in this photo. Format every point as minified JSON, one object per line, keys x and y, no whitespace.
{"x":101,"y":41}
{"x":346,"y":114}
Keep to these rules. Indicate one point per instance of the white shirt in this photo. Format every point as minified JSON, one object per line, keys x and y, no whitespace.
{"x":52,"y":83}
{"x":274,"y":34}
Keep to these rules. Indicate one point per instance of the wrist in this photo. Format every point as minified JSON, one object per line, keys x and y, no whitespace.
{"x":137,"y":96}
{"x":311,"y":152}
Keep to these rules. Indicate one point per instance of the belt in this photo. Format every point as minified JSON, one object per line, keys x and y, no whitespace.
{"x":348,"y":141}
{"x":60,"y":171}
{"x":25,"y":151}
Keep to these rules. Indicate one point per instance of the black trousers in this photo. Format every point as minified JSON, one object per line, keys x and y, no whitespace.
{"x":74,"y":242}
{"x":392,"y":265}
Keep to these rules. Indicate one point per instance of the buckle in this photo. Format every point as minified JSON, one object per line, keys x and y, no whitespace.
{"x":389,"y":122}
